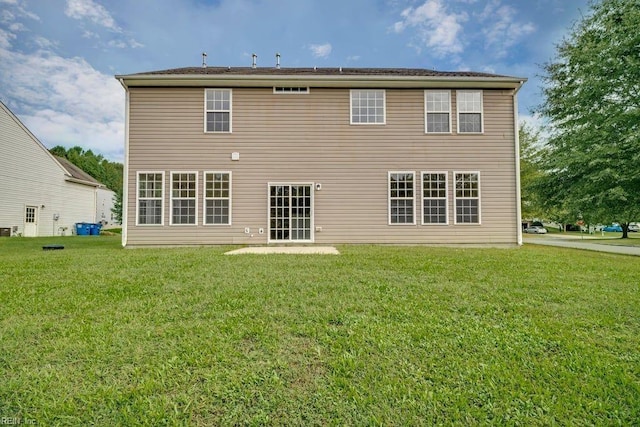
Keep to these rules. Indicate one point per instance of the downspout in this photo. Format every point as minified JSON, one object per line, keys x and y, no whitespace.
{"x":125,"y":175}
{"x":517,"y":164}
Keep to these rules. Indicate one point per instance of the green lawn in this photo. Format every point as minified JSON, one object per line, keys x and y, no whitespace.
{"x":98,"y":335}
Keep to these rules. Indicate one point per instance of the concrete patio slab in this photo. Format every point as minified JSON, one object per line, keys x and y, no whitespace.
{"x":296,"y":250}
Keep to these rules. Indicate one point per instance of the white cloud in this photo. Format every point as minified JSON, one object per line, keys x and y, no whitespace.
{"x":65,"y":101}
{"x":135,"y":44}
{"x":17,"y":26}
{"x":321,"y":50}
{"x":44,"y":43}
{"x":5,"y":39}
{"x":99,"y":15}
{"x":96,"y":13}
{"x":90,"y":35}
{"x":7,"y":17}
{"x":501,"y":29}
{"x":436,"y":29}
{"x":17,"y":12}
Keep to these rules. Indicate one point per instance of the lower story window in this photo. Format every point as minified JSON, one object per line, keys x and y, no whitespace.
{"x":150,"y":196}
{"x":434,"y":198}
{"x":183,"y":198}
{"x":217,"y":198}
{"x":467,"y":197}
{"x":401,"y":193}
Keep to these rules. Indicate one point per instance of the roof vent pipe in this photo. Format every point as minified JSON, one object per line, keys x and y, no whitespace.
{"x":204,"y":59}
{"x":278,"y":61}
{"x":255,"y":59}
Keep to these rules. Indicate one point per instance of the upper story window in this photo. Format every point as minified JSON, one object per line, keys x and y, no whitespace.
{"x":438,"y":111}
{"x":367,"y":106}
{"x":150,"y":198}
{"x":291,"y":90}
{"x":217,"y":110}
{"x":469,"y":111}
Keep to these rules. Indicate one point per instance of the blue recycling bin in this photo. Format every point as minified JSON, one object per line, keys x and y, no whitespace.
{"x":83,"y":229}
{"x":95,"y":229}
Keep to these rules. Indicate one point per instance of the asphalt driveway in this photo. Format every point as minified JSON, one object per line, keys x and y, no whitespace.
{"x":587,"y":243}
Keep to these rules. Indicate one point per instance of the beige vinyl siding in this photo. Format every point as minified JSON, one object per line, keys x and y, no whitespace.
{"x":309,"y":139}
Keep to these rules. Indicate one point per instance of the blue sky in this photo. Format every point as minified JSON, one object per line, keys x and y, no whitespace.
{"x":58,"y":57}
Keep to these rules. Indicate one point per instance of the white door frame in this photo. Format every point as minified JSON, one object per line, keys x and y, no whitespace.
{"x":290,"y":228}
{"x":30,"y":221}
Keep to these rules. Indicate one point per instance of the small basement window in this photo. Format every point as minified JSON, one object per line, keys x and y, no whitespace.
{"x":290,"y":90}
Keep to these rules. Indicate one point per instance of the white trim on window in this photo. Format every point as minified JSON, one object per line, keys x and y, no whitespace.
{"x":435,"y":196}
{"x":150,"y":198}
{"x":184,"y":194}
{"x":436,"y":105}
{"x":368,"y":107}
{"x":468,"y":195}
{"x":401,"y":196}
{"x":218,"y":101}
{"x":217,"y":197}
{"x":291,"y":90}
{"x":470,"y":102}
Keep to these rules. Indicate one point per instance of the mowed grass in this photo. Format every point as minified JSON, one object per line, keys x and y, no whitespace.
{"x":379,"y":335}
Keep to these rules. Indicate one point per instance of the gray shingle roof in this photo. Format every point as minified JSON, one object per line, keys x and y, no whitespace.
{"x":77,"y":173}
{"x":272,"y":71}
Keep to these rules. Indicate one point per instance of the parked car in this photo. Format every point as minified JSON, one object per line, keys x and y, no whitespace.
{"x":634,"y":227}
{"x":536,"y":229}
{"x":613,"y":228}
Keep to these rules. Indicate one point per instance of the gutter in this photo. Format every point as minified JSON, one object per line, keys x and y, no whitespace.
{"x":350,"y":81}
{"x":69,"y":178}
{"x":516,"y":127}
{"x":125,"y":175}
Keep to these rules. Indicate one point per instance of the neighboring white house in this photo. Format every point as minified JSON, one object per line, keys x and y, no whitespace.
{"x":40,"y":194}
{"x":104,"y":207}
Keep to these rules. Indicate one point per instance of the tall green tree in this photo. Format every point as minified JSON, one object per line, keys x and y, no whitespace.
{"x":530,"y":172}
{"x":592,"y":102}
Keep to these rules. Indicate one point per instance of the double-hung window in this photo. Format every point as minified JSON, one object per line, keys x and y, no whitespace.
{"x":434,"y":198}
{"x":217,"y":110}
{"x":467,"y":197}
{"x":401,"y":197}
{"x":437,"y":106}
{"x":183,"y":198}
{"x":217,"y":198}
{"x":150,"y":198}
{"x":470,"y":114}
{"x":367,"y":106}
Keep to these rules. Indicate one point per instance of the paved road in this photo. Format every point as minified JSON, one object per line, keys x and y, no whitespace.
{"x":577,"y":243}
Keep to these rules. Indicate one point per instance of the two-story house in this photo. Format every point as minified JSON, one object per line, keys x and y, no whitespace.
{"x":255,"y":155}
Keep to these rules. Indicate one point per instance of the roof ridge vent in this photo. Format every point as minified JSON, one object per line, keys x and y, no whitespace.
{"x":255,"y":60}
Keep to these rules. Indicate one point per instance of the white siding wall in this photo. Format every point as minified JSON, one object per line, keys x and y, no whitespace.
{"x":29,"y":176}
{"x":104,"y":204}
